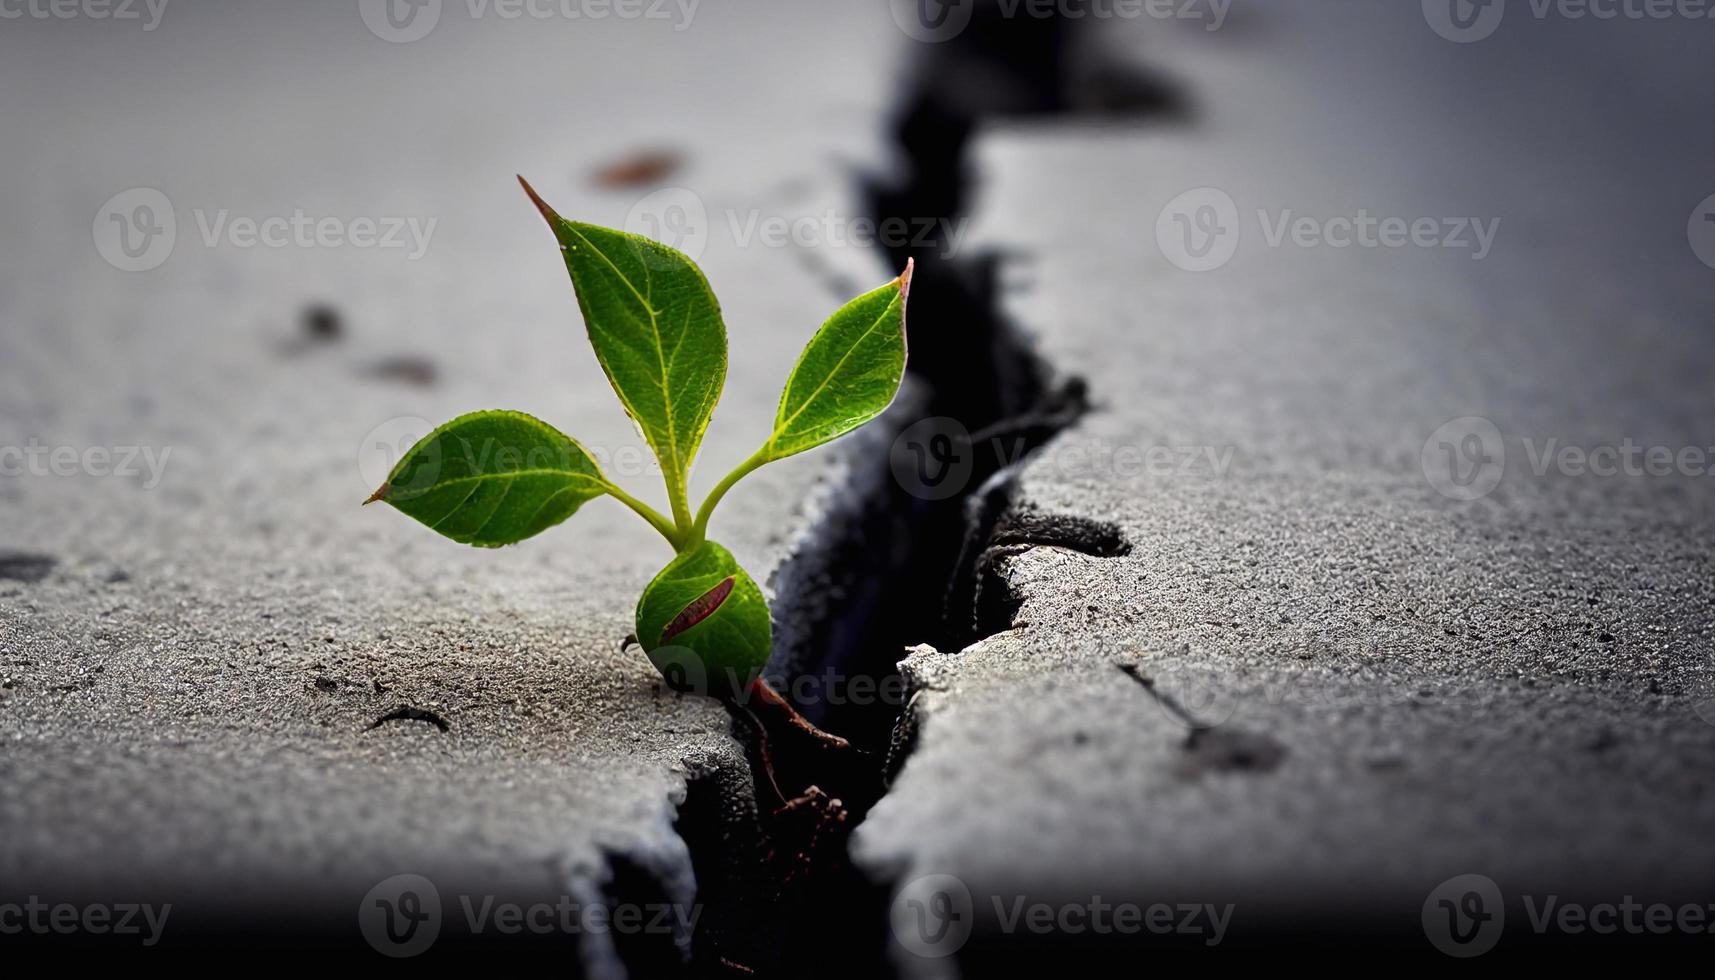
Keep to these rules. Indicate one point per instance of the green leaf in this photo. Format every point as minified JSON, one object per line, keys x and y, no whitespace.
{"x":657,"y":331}
{"x":847,"y":375}
{"x":492,"y":479}
{"x":704,"y":623}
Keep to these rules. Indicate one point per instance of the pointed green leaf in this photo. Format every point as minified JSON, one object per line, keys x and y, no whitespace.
{"x":656,"y":329}
{"x":493,"y":478}
{"x":847,"y":375}
{"x":704,"y":622}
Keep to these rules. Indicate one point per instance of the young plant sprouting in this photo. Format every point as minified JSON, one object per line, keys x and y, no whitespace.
{"x":495,"y":478}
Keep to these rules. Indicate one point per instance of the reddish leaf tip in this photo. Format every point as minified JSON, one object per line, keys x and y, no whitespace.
{"x":535,"y":198}
{"x":905,"y":280}
{"x":379,"y":494}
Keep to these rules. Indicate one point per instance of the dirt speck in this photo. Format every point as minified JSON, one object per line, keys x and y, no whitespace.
{"x":23,"y":566}
{"x":1604,"y":740}
{"x":406,"y":712}
{"x":322,"y":323}
{"x":639,"y":169}
{"x":1230,"y":750}
{"x":406,"y":369}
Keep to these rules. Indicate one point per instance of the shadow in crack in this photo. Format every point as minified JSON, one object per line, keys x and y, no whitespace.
{"x":885,"y":567}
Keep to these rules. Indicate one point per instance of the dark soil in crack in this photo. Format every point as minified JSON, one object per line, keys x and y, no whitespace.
{"x":897,"y":559}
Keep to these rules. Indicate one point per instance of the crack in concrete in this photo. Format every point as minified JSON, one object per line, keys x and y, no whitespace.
{"x":885,"y":567}
{"x":1209,"y":747}
{"x":981,"y":599}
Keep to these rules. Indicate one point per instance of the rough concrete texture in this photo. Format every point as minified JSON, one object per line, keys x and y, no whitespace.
{"x":193,"y":666}
{"x":1402,"y":687}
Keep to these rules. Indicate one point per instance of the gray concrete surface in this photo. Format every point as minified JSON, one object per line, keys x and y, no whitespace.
{"x":1403,"y":687}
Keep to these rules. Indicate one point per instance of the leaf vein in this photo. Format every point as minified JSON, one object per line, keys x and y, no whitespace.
{"x":456,"y":507}
{"x":544,"y":505}
{"x":479,"y":477}
{"x":787,"y":422}
{"x":499,"y":506}
{"x":654,"y":322}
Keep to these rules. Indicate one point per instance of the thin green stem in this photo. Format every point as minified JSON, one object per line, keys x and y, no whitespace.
{"x":701,"y":527}
{"x":648,"y":513}
{"x":679,"y":499}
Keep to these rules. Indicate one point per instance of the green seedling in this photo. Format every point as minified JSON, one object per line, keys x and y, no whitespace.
{"x":495,"y":478}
